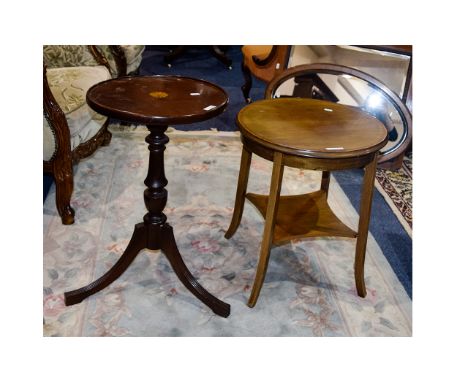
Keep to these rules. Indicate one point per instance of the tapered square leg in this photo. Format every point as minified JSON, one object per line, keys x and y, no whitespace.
{"x":363,"y":228}
{"x":268,"y":231}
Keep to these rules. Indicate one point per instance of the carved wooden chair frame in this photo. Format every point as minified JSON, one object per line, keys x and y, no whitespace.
{"x":61,"y":163}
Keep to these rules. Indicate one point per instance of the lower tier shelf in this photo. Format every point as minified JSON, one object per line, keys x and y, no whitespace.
{"x":301,"y":216}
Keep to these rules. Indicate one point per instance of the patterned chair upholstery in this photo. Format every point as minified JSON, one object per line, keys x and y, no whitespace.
{"x":121,"y":59}
{"x":71,"y":129}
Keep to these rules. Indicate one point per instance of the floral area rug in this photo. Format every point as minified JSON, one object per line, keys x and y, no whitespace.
{"x":309,"y":288}
{"x":397,"y":189}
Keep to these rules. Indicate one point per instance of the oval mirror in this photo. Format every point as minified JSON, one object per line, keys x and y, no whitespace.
{"x":351,"y":87}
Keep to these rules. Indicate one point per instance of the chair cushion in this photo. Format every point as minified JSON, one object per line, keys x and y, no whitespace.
{"x":69,"y":87}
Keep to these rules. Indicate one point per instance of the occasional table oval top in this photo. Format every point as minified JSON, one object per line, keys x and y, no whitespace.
{"x":311,"y":128}
{"x":160,"y":100}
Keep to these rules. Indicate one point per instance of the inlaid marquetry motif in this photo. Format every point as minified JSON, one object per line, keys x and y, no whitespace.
{"x":158,"y":94}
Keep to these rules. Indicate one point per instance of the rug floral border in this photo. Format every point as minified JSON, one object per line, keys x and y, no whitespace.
{"x":398,"y":187}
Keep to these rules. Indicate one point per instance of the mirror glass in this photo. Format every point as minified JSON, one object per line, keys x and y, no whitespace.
{"x":381,"y":62}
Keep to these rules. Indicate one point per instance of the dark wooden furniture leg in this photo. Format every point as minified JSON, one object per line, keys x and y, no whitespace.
{"x":363,"y":227}
{"x":247,"y":83}
{"x":325,"y":183}
{"x":221,"y":56}
{"x":174,"y":54}
{"x":240,"y":193}
{"x":136,"y":244}
{"x":154,"y":233}
{"x":107,"y":137}
{"x":63,"y":176}
{"x":169,"y":248}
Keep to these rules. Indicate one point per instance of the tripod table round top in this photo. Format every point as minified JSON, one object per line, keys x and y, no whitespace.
{"x":157,"y":100}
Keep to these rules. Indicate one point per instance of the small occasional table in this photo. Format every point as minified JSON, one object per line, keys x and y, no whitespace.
{"x":309,"y":134}
{"x":157,"y":102}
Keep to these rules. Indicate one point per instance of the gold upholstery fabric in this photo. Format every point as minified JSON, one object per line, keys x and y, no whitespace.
{"x":69,"y":86}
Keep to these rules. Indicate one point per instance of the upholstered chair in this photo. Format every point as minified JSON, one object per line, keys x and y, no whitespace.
{"x":263,"y":62}
{"x":71,"y":129}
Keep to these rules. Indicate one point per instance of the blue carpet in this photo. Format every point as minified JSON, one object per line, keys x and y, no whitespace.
{"x":395,"y":243}
{"x":198,"y":62}
{"x":47,"y":181}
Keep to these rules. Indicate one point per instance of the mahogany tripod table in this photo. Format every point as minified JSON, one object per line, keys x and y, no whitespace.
{"x":308,"y":134}
{"x":157,"y":102}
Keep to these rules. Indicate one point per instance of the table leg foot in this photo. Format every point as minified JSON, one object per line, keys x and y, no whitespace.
{"x":360,"y":285}
{"x":169,"y":248}
{"x":137,"y":243}
{"x":363,"y":229}
{"x":247,"y":83}
{"x":174,"y":54}
{"x":221,"y":56}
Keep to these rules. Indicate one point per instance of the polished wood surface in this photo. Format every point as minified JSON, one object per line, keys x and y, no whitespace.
{"x":302,"y":133}
{"x":158,"y":99}
{"x":154,"y":232}
{"x":311,"y":128}
{"x":301,"y":216}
